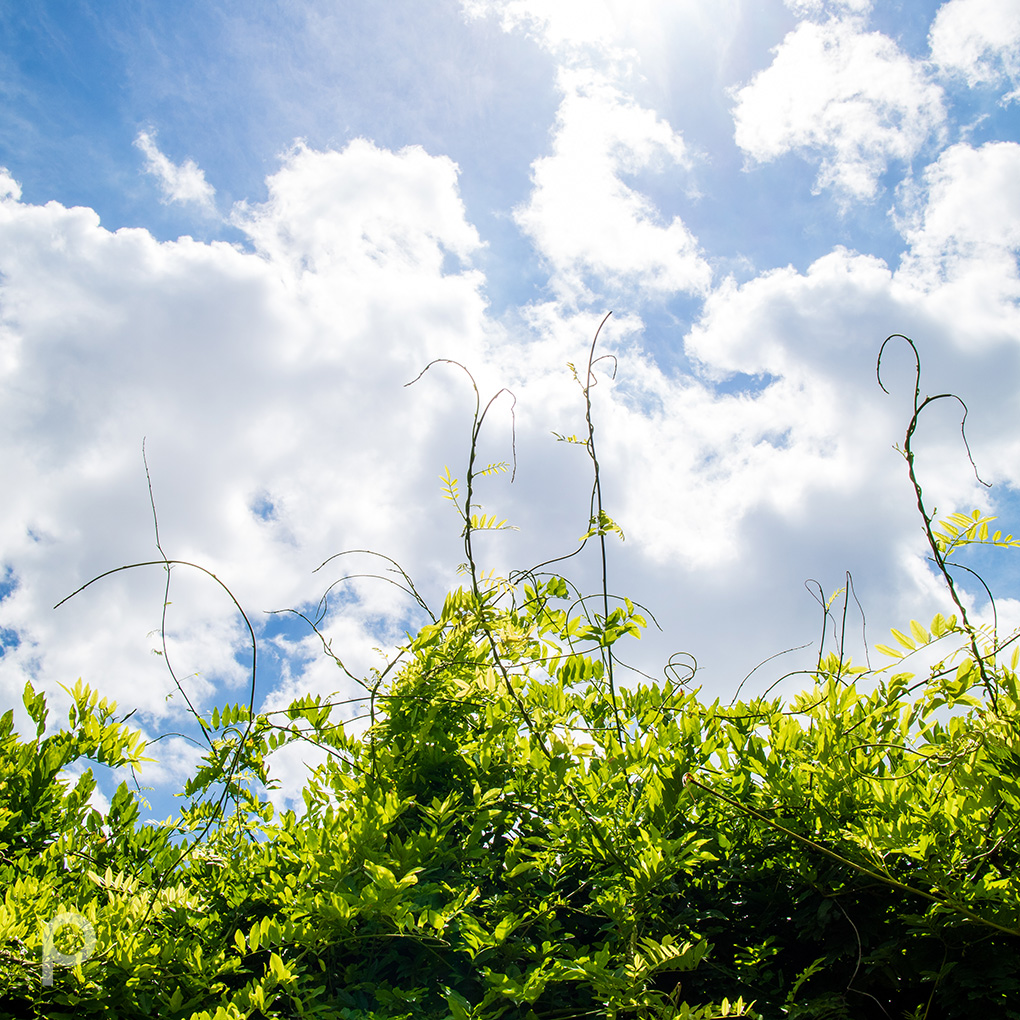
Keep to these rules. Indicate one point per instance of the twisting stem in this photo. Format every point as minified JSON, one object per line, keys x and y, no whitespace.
{"x":166,"y":602}
{"x":908,"y":453}
{"x":597,"y":518}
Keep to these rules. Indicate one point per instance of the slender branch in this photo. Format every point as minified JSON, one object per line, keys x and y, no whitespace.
{"x":597,"y":517}
{"x":908,"y":453}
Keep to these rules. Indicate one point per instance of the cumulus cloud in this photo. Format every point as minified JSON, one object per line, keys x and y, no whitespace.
{"x":330,"y":212}
{"x":772,"y":462}
{"x":779,"y":447}
{"x":793,"y":476}
{"x":980,"y":40}
{"x":848,"y":97}
{"x":594,"y":228}
{"x":9,"y":187}
{"x":179,"y":182}
{"x":967,"y":207}
{"x":726,"y":493}
{"x":270,"y":388}
{"x":961,"y":220}
{"x":274,"y":377}
{"x":582,"y":216}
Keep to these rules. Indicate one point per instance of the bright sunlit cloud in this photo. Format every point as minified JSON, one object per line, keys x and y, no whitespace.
{"x":980,"y":40}
{"x":585,"y":220}
{"x":844,"y":95}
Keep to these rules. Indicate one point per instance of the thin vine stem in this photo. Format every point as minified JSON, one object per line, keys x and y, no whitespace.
{"x":919,"y":406}
{"x":598,"y":515}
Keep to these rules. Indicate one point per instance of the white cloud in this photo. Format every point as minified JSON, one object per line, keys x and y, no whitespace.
{"x":9,"y":187}
{"x":968,"y":207}
{"x":726,"y":496}
{"x":555,"y":23}
{"x":593,"y":228}
{"x":730,"y":500}
{"x":794,"y":477}
{"x":781,"y":448}
{"x":962,"y":223}
{"x":362,"y":208}
{"x":849,"y":97}
{"x":818,"y":8}
{"x":980,"y":40}
{"x":179,"y":182}
{"x":277,"y":375}
{"x":580,"y":31}
{"x":581,"y":215}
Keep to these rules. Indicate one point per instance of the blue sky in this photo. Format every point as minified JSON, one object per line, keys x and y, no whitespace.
{"x":238,"y":231}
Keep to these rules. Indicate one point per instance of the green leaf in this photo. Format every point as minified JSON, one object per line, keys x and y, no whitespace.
{"x":893,"y":653}
{"x":902,"y":638}
{"x":602,"y":524}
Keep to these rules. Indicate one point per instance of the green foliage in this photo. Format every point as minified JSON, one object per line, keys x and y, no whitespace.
{"x":490,"y":848}
{"x":959,"y":530}
{"x":602,"y":524}
{"x":515,"y":837}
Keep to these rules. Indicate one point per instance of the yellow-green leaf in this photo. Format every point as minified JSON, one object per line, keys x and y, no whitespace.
{"x":903,"y":639}
{"x":920,"y":634}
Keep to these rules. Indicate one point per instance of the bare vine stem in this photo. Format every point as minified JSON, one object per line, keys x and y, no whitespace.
{"x":166,"y":603}
{"x":597,"y":514}
{"x":919,"y":406}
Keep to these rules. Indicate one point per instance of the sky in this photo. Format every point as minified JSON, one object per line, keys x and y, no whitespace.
{"x":233,"y":233}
